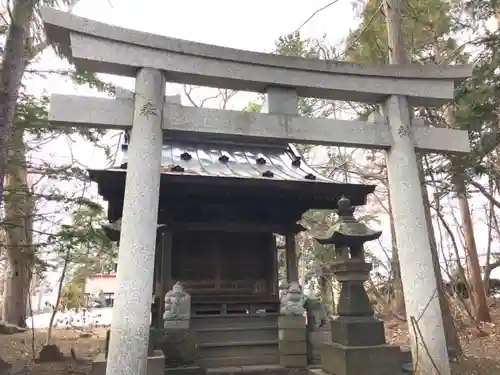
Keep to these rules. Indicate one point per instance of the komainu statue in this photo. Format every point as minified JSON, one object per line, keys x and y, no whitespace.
{"x":293,"y":300}
{"x":177,"y":304}
{"x":317,"y":316}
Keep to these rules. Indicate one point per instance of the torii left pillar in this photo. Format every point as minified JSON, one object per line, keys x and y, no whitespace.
{"x":127,"y":354}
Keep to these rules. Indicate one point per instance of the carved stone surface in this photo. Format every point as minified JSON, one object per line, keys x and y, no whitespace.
{"x":177,"y":304}
{"x":293,"y":301}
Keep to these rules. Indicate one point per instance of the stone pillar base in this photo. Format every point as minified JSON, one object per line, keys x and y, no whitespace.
{"x":155,"y":364}
{"x":151,"y":342}
{"x":292,"y":341}
{"x":338,"y":359}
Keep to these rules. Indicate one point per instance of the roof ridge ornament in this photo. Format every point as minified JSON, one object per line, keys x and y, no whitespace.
{"x":297,"y":161}
{"x":224,"y":158}
{"x":261,"y":161}
{"x":310,"y":177}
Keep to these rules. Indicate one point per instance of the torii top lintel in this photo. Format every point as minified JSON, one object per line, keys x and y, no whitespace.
{"x":103,"y":48}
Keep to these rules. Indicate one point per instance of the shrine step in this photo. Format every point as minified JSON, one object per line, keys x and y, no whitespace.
{"x":234,"y":320}
{"x":247,"y":369}
{"x":266,"y":369}
{"x":223,"y":334}
{"x":233,"y":307}
{"x":239,"y":353}
{"x":236,"y":363}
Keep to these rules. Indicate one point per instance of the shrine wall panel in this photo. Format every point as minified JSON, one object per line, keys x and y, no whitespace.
{"x":222,"y":263}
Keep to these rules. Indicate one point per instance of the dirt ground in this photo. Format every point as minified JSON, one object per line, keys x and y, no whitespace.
{"x":481,"y":351}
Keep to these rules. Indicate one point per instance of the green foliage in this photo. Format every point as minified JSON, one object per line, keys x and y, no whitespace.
{"x":31,"y":115}
{"x":35,"y":179}
{"x":72,"y":296}
{"x":477,"y":110}
{"x":430,"y":27}
{"x":479,"y":11}
{"x":425,"y":24}
{"x":84,"y":238}
{"x":89,"y":79}
{"x":85,"y":250}
{"x":295,"y":45}
{"x":253,"y":107}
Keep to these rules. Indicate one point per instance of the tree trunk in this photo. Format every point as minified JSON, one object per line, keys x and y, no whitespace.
{"x":478,"y":296}
{"x":19,"y":207}
{"x":489,"y":267}
{"x":452,"y":340}
{"x":398,"y":300}
{"x":17,"y":289}
{"x":13,"y":65}
{"x":11,"y":74}
{"x":486,"y":269}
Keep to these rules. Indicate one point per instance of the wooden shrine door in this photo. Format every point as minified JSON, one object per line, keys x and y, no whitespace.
{"x":229,"y":265}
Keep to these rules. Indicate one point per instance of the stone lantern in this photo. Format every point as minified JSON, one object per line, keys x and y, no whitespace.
{"x":358,"y":338}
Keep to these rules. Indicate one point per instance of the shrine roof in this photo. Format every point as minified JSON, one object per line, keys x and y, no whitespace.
{"x":246,"y":166}
{"x":239,"y":161}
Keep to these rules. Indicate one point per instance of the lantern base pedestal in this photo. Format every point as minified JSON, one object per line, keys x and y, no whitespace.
{"x":337,"y":359}
{"x":357,"y":331}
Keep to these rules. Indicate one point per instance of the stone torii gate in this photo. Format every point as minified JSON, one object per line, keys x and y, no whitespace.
{"x":152,"y":60}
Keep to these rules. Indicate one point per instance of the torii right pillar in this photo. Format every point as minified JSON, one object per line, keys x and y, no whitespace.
{"x":417,"y":268}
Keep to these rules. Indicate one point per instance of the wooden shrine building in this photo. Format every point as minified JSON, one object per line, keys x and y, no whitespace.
{"x":221,"y":205}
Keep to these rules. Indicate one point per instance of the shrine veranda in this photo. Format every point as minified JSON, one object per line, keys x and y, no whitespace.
{"x":202,"y":192}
